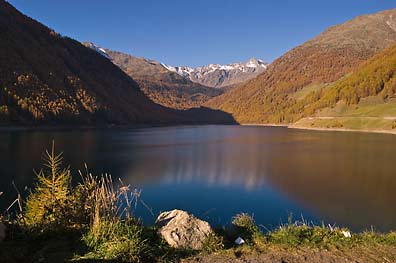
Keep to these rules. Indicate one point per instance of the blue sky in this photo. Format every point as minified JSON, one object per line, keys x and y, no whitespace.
{"x":193,"y":33}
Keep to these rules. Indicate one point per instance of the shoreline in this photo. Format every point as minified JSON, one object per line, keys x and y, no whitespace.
{"x":93,"y":127}
{"x":122,"y":127}
{"x":342,"y":130}
{"x":291,"y":126}
{"x":264,"y":125}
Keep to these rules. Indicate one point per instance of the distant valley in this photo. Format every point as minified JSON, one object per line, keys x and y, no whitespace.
{"x":182,"y":87}
{"x":50,"y":79}
{"x":247,"y":124}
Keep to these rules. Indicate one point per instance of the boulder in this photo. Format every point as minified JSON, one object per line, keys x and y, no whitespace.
{"x":182,"y":230}
{"x":2,"y":232}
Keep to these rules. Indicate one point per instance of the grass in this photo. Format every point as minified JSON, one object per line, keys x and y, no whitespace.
{"x":373,"y":106}
{"x":116,"y":240}
{"x":302,"y":93}
{"x":372,"y":113}
{"x":94,"y":221}
{"x":314,"y":236}
{"x":349,"y":123}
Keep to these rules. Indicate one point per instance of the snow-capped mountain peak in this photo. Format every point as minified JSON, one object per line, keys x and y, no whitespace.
{"x":254,"y":63}
{"x":212,"y":75}
{"x":251,"y":63}
{"x":216,"y":75}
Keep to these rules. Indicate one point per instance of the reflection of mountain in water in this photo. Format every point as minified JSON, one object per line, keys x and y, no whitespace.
{"x":213,"y":162}
{"x":347,"y":178}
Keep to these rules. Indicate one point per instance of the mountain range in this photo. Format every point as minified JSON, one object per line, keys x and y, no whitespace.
{"x":222,"y":76}
{"x":182,"y":87}
{"x":158,"y":83}
{"x":342,"y":78}
{"x":310,"y":70}
{"x":46,"y":78}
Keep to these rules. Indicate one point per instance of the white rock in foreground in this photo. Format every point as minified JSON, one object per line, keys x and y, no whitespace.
{"x":346,"y":233}
{"x":182,"y":230}
{"x":239,"y":241}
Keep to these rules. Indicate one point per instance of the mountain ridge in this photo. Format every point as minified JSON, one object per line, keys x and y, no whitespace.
{"x":164,"y":87}
{"x":182,"y":87}
{"x":222,"y":76}
{"x":319,"y":61}
{"x":54,"y":79}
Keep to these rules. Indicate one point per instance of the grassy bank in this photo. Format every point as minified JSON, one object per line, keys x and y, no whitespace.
{"x":372,"y":114}
{"x":354,"y":124}
{"x":94,"y":222}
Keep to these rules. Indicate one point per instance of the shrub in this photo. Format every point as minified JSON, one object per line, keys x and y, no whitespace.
{"x":113,"y":233}
{"x":95,"y":205}
{"x":49,"y":203}
{"x":213,"y":243}
{"x":245,"y":226}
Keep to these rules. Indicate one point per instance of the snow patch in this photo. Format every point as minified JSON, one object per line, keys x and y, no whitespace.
{"x":98,"y":49}
{"x":391,"y":23}
{"x":250,"y":66}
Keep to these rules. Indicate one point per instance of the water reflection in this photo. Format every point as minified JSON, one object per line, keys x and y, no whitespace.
{"x":344,"y":178}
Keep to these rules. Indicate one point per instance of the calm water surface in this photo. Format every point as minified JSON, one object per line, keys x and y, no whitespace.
{"x":217,"y":171}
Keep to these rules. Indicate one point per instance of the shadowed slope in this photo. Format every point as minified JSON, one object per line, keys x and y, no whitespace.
{"x":161,"y":85}
{"x":46,"y":78}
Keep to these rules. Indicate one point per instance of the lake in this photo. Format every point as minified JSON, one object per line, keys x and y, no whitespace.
{"x":215,"y":172}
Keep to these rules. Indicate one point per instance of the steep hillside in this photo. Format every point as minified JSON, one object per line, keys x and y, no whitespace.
{"x":365,"y":99}
{"x":222,"y":76}
{"x":46,"y":78}
{"x":158,"y":83}
{"x":311,"y":66}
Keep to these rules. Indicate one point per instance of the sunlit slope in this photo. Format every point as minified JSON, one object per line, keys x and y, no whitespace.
{"x":271,"y":97}
{"x":365,"y":99}
{"x":161,"y":85}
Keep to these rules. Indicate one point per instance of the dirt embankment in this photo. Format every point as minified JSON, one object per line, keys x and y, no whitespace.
{"x":376,"y":254}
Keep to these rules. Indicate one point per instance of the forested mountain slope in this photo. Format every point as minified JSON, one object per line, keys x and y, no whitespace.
{"x":364,"y":99}
{"x":46,"y":78}
{"x":309,"y":67}
{"x":161,"y":85}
